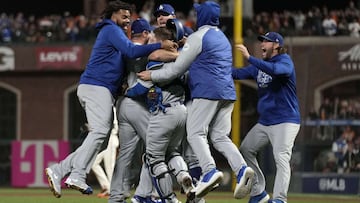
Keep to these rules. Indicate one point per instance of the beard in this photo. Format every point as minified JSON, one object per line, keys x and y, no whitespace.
{"x":124,"y":26}
{"x":267,"y":54}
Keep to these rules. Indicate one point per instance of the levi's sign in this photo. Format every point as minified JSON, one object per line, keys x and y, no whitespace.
{"x":59,"y":57}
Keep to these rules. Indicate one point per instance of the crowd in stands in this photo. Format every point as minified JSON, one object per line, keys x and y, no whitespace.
{"x":344,"y":108}
{"x":346,"y":149}
{"x":332,"y":113}
{"x":313,"y":22}
{"x":317,"y":21}
{"x":344,"y":154}
{"x":50,"y":28}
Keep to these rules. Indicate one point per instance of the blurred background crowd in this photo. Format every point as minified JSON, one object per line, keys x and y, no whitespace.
{"x":68,"y":27}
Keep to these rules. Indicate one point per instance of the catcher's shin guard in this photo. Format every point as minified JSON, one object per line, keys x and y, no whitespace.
{"x":161,"y":179}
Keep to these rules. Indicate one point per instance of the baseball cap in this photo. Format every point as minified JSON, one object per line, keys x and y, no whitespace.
{"x":139,"y":25}
{"x":272,"y":37}
{"x":165,"y":8}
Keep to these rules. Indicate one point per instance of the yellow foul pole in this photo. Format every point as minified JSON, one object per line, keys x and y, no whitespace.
{"x":238,"y":62}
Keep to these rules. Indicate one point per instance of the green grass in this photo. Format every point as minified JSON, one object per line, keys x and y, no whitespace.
{"x":8,"y":195}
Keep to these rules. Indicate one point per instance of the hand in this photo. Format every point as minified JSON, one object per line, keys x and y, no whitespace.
{"x":144,"y":75}
{"x":182,"y":42}
{"x":243,"y":50}
{"x":169,"y":45}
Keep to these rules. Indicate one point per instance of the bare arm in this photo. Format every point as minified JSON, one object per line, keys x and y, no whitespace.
{"x":175,"y":69}
{"x":163,"y":55}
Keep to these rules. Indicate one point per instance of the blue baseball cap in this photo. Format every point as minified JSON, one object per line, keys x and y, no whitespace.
{"x":139,"y":25}
{"x":165,"y":8}
{"x":272,"y":37}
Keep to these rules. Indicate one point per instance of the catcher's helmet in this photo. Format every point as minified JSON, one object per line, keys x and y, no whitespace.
{"x":176,"y":27}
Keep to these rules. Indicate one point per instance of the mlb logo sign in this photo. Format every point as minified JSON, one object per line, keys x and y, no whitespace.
{"x":30,"y":158}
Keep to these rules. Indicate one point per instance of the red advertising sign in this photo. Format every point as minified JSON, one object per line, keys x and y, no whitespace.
{"x":59,"y":57}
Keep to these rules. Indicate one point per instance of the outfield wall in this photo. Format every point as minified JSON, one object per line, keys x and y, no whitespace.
{"x":326,"y":183}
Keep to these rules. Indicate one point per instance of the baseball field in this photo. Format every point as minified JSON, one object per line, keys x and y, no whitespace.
{"x":10,"y":195}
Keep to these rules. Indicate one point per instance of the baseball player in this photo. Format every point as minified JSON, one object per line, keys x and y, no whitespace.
{"x":207,"y":55}
{"x":98,"y":87}
{"x":133,"y":119}
{"x":279,"y":117}
{"x":165,"y":132}
{"x":163,"y":13}
{"x":108,"y":157}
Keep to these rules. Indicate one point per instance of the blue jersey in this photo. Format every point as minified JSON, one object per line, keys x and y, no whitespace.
{"x":276,"y":80}
{"x":106,"y":63}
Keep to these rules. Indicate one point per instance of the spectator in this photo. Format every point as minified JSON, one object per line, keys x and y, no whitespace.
{"x":146,"y":10}
{"x":349,"y":157}
{"x":287,"y":23}
{"x":314,"y":21}
{"x":355,"y":165}
{"x":340,"y":146}
{"x":329,"y":26}
{"x":299,"y":20}
{"x":5,"y":33}
{"x":343,"y":27}
{"x":83,"y":29}
{"x":354,"y":27}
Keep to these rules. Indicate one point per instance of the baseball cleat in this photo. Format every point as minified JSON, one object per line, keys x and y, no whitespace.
{"x":54,"y":182}
{"x":188,"y":187}
{"x":78,"y":185}
{"x":173,"y":199}
{"x":244,"y":182}
{"x":261,"y":198}
{"x":139,"y":199}
{"x":215,"y":187}
{"x":207,"y":182}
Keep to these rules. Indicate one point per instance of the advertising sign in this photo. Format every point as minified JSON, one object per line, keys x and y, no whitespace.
{"x":333,"y":184}
{"x":68,"y":57}
{"x":31,"y":157}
